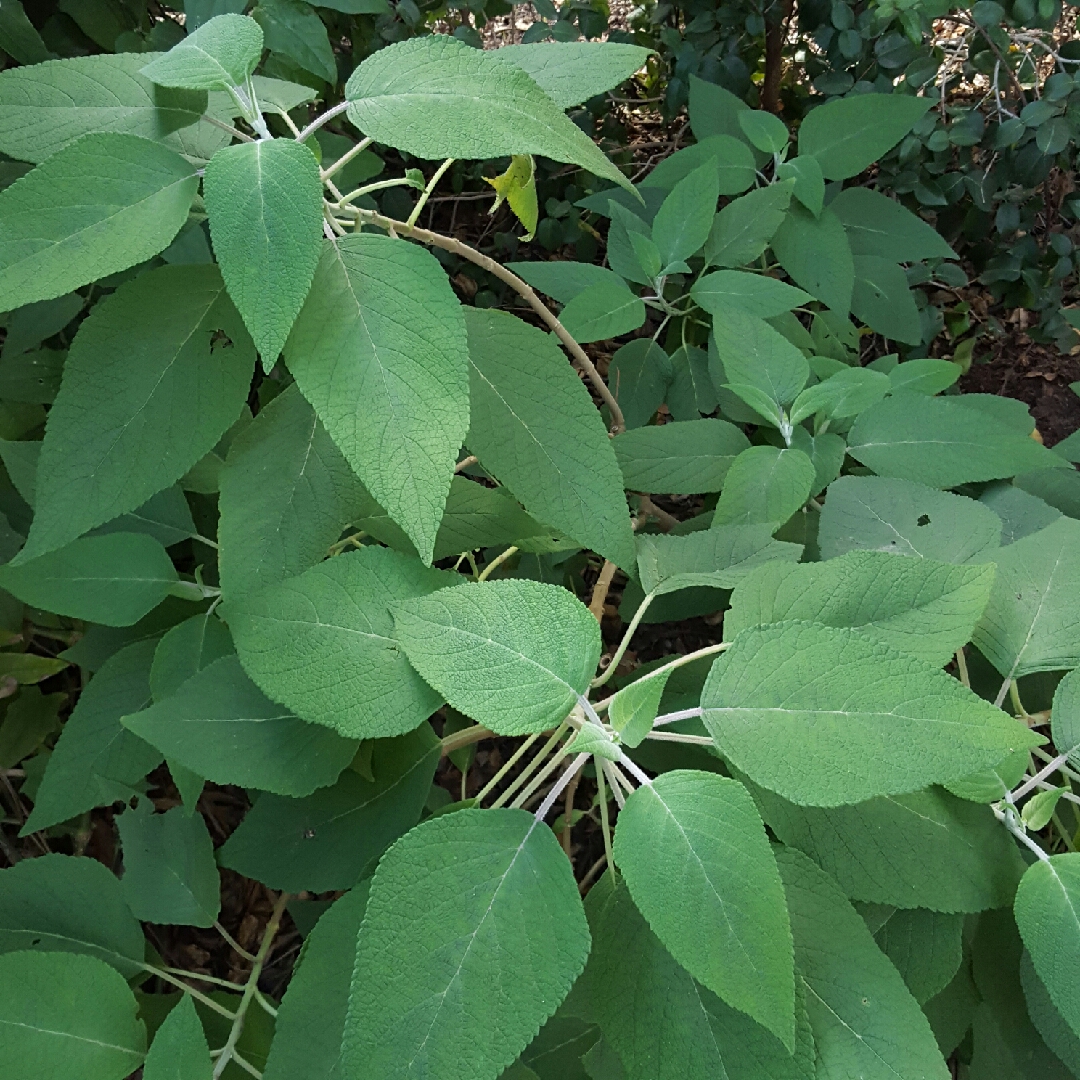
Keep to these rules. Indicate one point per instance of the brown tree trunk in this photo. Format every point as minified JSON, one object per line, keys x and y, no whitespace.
{"x":774,"y":58}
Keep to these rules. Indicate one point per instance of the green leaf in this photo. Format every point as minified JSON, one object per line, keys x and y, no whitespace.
{"x":179,"y":1050}
{"x":514,"y":655}
{"x":754,"y":293}
{"x":604,"y":310}
{"x":219,"y":54}
{"x":764,"y":486}
{"x":633,"y":709}
{"x":690,"y":391}
{"x":29,"y":667}
{"x":264,"y":199}
{"x":517,"y":185}
{"x":286,"y":494}
{"x":864,"y":1019}
{"x":941,"y":444}
{"x":571,"y":72}
{"x":45,"y":107}
{"x":638,"y":376}
{"x":816,"y":253}
{"x":725,"y":921}
{"x":624,"y":253}
{"x":165,"y":516}
{"x":220,"y":726}
{"x":1047,"y":910}
{"x":328,"y":839}
{"x":719,"y":557}
{"x":1032,"y":622}
{"x":928,"y":376}
{"x":926,"y":849}
{"x":881,"y":299}
{"x":848,"y":134}
{"x":880,"y":226}
{"x":752,"y":352}
{"x":293,"y":29}
{"x":883,"y":514}
{"x":96,"y":761}
{"x":592,"y":739}
{"x":917,"y":606}
{"x":155,"y":376}
{"x":847,"y":393}
{"x":434,"y":973}
{"x":686,"y":458}
{"x":729,"y":158}
{"x":436,"y":97}
{"x":683,"y":221}
{"x":65,"y":1015}
{"x":382,"y":326}
{"x":113,"y":579}
{"x":743,"y":228}
{"x":663,"y":1024}
{"x":792,"y":705}
{"x":809,"y":184}
{"x":323,"y":643}
{"x":1039,"y":809}
{"x":766,"y":132}
{"x":1047,"y":1019}
{"x":478,"y":516}
{"x":116,"y":200}
{"x":19,"y":37}
{"x":562,"y":280}
{"x":169,"y":871}
{"x":186,"y":649}
{"x":1064,"y":717}
{"x":924,"y":945}
{"x":61,"y":903}
{"x":536,"y":430}
{"x":311,"y":1016}
{"x":29,"y":718}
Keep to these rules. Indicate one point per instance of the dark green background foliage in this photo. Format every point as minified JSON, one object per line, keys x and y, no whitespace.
{"x":638,"y":663}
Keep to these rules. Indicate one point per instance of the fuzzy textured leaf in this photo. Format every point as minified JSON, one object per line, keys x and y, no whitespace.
{"x":571,"y":72}
{"x":687,"y":458}
{"x":221,"y":53}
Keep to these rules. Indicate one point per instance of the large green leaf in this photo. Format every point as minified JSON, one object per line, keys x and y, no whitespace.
{"x":925,"y":946}
{"x":743,"y":229}
{"x":562,"y":280}
{"x":848,"y":134}
{"x":62,"y":903}
{"x":1032,"y":622}
{"x":311,"y":1016}
{"x":881,"y":299}
{"x":100,"y":205}
{"x":96,"y":761}
{"x":1046,"y":1018}
{"x":186,"y":649}
{"x":816,"y":253}
{"x":114,"y":579}
{"x":264,"y":199}
{"x":1047,"y":910}
{"x":436,"y":97}
{"x":514,"y":655}
{"x":639,"y":375}
{"x":219,"y":725}
{"x":327,"y":840}
{"x":878,"y":225}
{"x":535,"y":428}
{"x":682,"y":223}
{"x":663,"y":1024}
{"x":286,"y":494}
{"x":323,"y":643}
{"x":293,"y":29}
{"x":876,"y":513}
{"x":753,"y":353}
{"x":477,"y":516}
{"x":686,"y":458}
{"x":571,"y":72}
{"x":19,"y":37}
{"x":926,"y":849}
{"x":764,"y":485}
{"x":379,"y":350}
{"x":46,"y":106}
{"x":67,"y":1015}
{"x":604,"y":310}
{"x":473,"y":927}
{"x":153,"y":379}
{"x":729,"y":158}
{"x":794,"y":705}
{"x":757,"y":294}
{"x":179,"y":1050}
{"x":725,"y":921}
{"x":940,"y":443}
{"x":221,"y":53}
{"x":920,"y":607}
{"x":864,"y":1019}
{"x":1065,"y":716}
{"x":717,"y":558}
{"x":169,"y":871}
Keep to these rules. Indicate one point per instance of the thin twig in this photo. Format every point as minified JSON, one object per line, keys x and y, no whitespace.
{"x":568,"y":813}
{"x":465,"y":462}
{"x":497,"y":562}
{"x":345,"y":158}
{"x":236,"y":946}
{"x":464,"y":737}
{"x":439,"y":173}
{"x":678,"y":662}
{"x":600,"y":589}
{"x":236,"y":133}
{"x":318,"y":122}
{"x":620,"y":652}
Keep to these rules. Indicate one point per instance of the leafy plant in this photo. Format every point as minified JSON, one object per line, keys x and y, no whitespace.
{"x":824,"y":817}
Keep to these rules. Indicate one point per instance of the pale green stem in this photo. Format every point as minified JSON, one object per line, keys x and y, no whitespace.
{"x":549,"y":800}
{"x":379,"y":185}
{"x":209,"y":1002}
{"x":236,"y":133}
{"x":1018,"y":705}
{"x":496,"y":562}
{"x":605,"y":821}
{"x":422,"y":202}
{"x":962,"y":668}
{"x":203,"y":978}
{"x":260,"y":997}
{"x":533,"y":765}
{"x":1018,"y":832}
{"x":678,"y":736}
{"x":250,"y":989}
{"x":1042,"y":755}
{"x":205,"y":540}
{"x":236,"y":946}
{"x":1042,"y":774}
{"x":494,"y":782}
{"x":620,"y":652}
{"x":318,"y":122}
{"x":616,"y":787}
{"x":678,"y":662}
{"x":540,"y":777}
{"x":345,"y":158}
